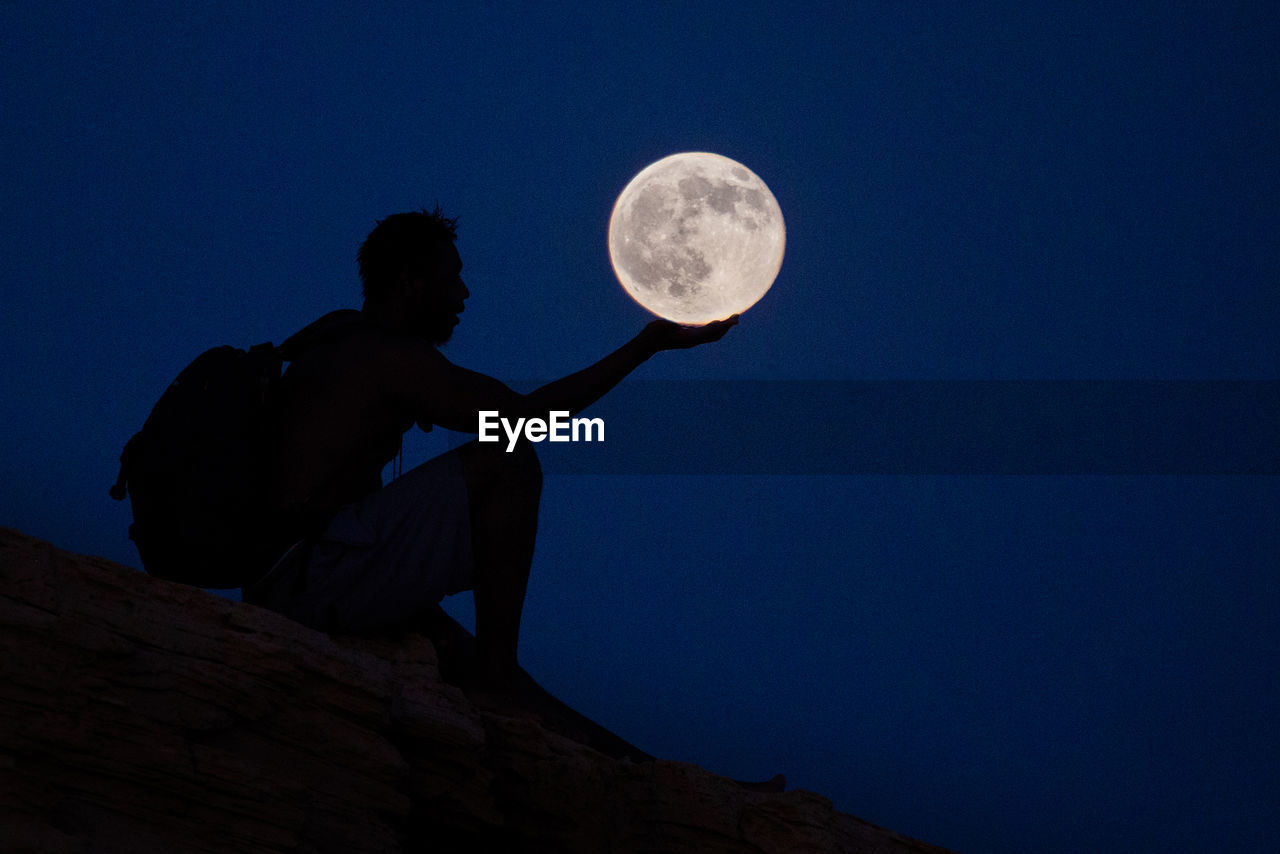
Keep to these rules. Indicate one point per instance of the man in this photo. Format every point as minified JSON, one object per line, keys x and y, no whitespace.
{"x":371,"y":559}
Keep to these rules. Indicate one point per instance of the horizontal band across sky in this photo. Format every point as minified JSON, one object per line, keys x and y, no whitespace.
{"x":928,"y":427}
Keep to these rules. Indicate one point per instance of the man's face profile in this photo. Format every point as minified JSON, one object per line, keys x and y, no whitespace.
{"x":435,"y":296}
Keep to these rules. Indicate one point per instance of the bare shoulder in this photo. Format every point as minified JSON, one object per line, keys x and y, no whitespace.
{"x":398,"y":364}
{"x":416,"y":374}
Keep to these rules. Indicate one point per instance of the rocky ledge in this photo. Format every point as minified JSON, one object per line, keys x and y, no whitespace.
{"x":137,"y":716}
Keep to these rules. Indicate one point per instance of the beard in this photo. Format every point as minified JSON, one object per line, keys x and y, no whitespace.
{"x":440,"y":329}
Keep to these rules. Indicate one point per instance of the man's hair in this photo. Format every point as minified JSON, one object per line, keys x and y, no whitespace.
{"x":403,"y":242}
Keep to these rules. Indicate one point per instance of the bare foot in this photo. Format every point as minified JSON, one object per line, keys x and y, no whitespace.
{"x":778,"y":783}
{"x":497,"y":702}
{"x":497,"y":695}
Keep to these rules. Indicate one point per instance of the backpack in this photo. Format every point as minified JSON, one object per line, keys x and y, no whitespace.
{"x":196,"y":473}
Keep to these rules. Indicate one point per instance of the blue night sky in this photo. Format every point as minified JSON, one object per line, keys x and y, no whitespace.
{"x":993,"y":662}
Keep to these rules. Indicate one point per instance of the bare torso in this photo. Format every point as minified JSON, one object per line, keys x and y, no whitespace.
{"x":339,"y":424}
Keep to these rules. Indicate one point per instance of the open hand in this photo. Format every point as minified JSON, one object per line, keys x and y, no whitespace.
{"x":666,"y":335}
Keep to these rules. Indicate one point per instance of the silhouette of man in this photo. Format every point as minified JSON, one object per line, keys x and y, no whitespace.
{"x":368,"y":559}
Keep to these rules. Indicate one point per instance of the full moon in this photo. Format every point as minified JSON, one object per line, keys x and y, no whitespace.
{"x":696,"y":237}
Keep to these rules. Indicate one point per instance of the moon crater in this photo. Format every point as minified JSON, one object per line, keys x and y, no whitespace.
{"x":696,"y":237}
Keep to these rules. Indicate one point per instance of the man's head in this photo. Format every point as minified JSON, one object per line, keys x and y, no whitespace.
{"x":412,"y":271}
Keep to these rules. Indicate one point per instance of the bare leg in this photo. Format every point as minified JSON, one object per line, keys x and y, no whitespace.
{"x":504,"y":490}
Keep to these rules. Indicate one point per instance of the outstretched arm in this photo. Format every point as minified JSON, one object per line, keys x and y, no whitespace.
{"x":579,"y":390}
{"x":440,"y":392}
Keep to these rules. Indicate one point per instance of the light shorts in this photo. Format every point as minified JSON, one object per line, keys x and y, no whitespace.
{"x":381,"y":562}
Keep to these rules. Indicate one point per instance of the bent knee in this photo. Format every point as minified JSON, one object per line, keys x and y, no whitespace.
{"x":523,"y":463}
{"x":485,"y":463}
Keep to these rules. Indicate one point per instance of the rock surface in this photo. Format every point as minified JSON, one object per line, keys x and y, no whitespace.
{"x":138,"y":716}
